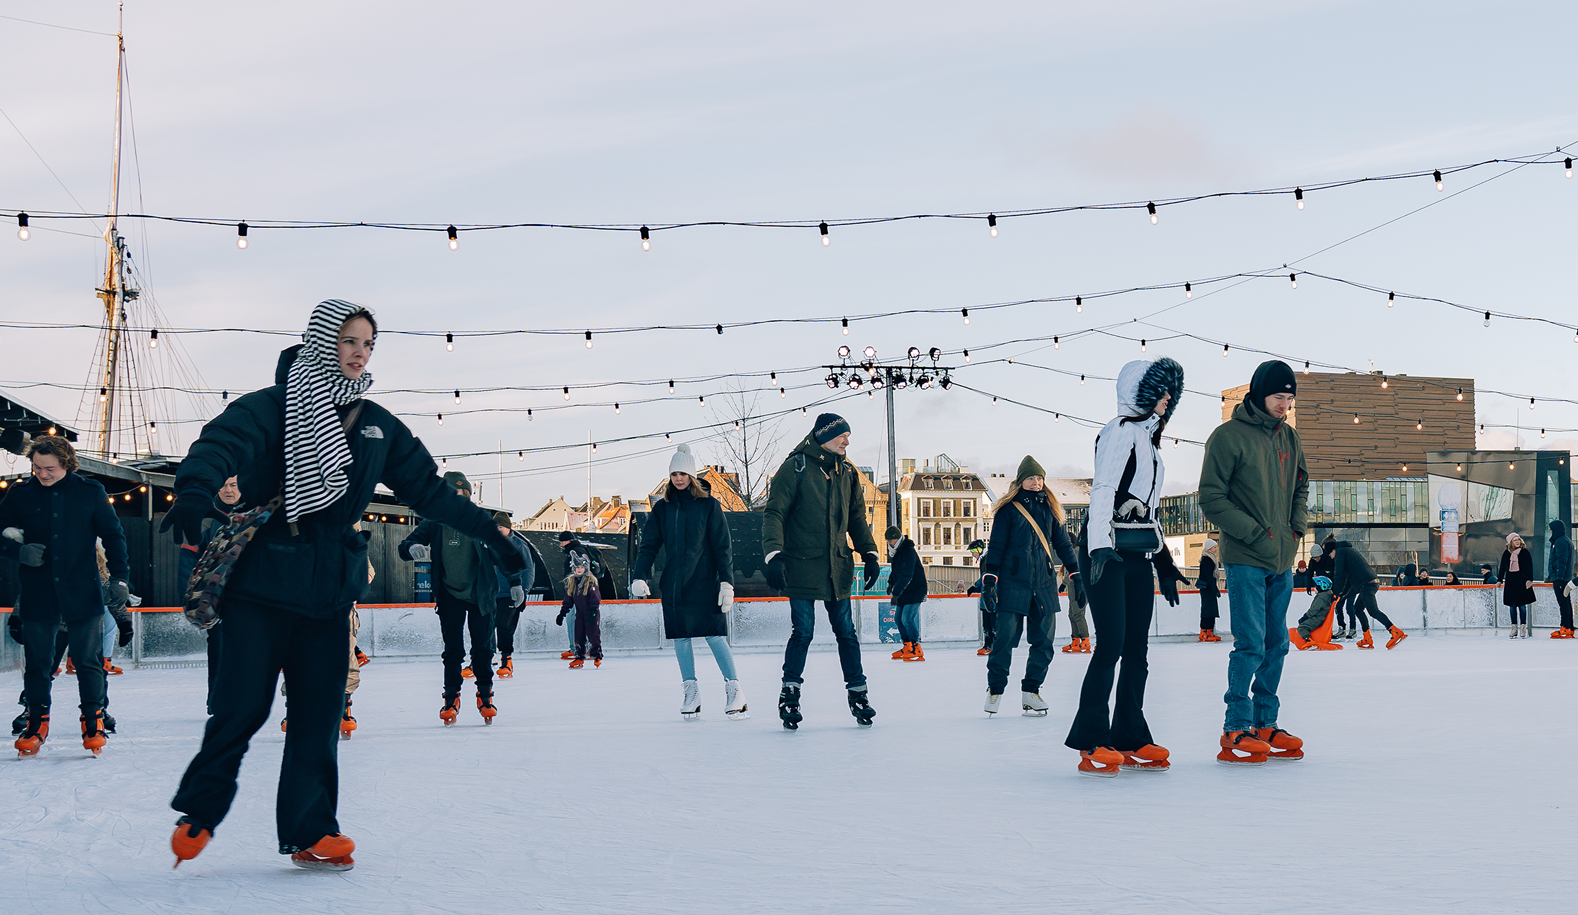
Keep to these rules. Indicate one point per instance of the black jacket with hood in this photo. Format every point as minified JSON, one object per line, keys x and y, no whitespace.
{"x":1015,"y":555}
{"x":1560,"y":567}
{"x":906,"y":575}
{"x":689,"y":527}
{"x":1350,"y":572}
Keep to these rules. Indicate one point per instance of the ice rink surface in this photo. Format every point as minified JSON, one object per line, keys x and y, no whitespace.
{"x":1438,"y":779}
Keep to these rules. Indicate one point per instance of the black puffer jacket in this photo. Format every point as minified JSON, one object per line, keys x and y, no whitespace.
{"x":320,"y":568}
{"x":1350,"y":572}
{"x":1016,"y":557}
{"x":906,"y":575}
{"x":690,"y":529}
{"x":1560,"y":568}
{"x":66,"y":518}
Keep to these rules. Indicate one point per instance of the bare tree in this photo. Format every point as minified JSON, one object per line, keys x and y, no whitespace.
{"x":748,"y":437}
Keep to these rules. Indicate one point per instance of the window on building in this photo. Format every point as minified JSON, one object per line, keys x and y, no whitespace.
{"x":947,"y":508}
{"x":969,"y":560}
{"x":947,"y":536}
{"x":947,"y":560}
{"x":967,"y":509}
{"x":925,"y":536}
{"x":926,"y":560}
{"x":929,"y":483}
{"x":925,"y":508}
{"x":969,"y":534}
{"x":947,"y":483}
{"x":968,"y":484}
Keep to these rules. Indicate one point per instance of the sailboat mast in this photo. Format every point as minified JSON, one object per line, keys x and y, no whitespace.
{"x":113,"y":291}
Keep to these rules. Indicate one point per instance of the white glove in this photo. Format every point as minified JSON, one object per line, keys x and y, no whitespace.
{"x":12,"y":533}
{"x":420,"y":553}
{"x":639,"y":589}
{"x":517,"y":596}
{"x":725,"y":597}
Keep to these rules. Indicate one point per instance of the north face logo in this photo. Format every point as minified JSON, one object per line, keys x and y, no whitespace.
{"x":372,"y":432}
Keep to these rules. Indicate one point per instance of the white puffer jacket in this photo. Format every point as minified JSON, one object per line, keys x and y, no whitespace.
{"x":1116,"y":441}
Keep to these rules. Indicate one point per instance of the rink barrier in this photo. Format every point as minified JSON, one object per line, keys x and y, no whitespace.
{"x":161,"y":636}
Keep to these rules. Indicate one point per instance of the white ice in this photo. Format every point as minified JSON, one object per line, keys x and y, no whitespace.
{"x":1437,"y":780}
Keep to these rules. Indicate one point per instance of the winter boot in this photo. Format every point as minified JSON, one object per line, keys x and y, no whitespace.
{"x":188,"y":840}
{"x":330,"y":853}
{"x":578,"y":663}
{"x":1397,"y":636}
{"x":860,"y":707}
{"x":1299,"y":641}
{"x":1101,"y":762}
{"x":111,"y":669}
{"x":916,"y":654}
{"x":736,"y":709}
{"x":1209,"y":635}
{"x":93,"y":731}
{"x":1072,"y":647}
{"x":1084,"y":645}
{"x":789,"y":706}
{"x":361,"y":659}
{"x":1243,"y":748}
{"x":451,"y":709}
{"x":1284,"y":746}
{"x":1562,"y":633}
{"x":1033,"y":706}
{"x":690,"y":706}
{"x":993,"y":702}
{"x":984,"y":651}
{"x":566,"y":655}
{"x":34,"y":734}
{"x":347,"y":723}
{"x":903,"y":653}
{"x":1149,"y":758}
{"x":1365,"y":642}
{"x":506,"y":669}
{"x":485,"y":706}
{"x":467,"y":673}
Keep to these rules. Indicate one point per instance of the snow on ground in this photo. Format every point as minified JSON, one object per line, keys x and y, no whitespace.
{"x":1437,"y":780}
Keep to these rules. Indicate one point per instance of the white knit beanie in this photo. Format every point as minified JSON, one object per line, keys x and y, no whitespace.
{"x":683,"y":462}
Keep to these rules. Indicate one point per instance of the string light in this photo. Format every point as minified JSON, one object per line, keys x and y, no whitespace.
{"x":771,"y":376}
{"x":1419,"y":426}
{"x":454,"y":239}
{"x":241,"y":235}
{"x":846,"y":326}
{"x":1440,"y":186}
{"x":153,"y":338}
{"x":616,"y":408}
{"x":1082,"y":381}
{"x":1405,"y":468}
{"x":1569,"y":166}
{"x":520,"y":455}
{"x":1542,"y":433}
{"x":1306,"y":367}
{"x":440,"y":419}
{"x":567,"y":392}
{"x":457,"y":396}
{"x":1487,"y":319}
{"x":1188,"y":291}
{"x":783,"y":393}
{"x":1150,"y":207}
{"x":966,"y":313}
{"x":103,"y":394}
{"x":1298,"y":197}
{"x":1079,"y":304}
{"x":1057,"y":417}
{"x":594,"y":447}
{"x":1142,"y":345}
{"x":1355,"y":419}
{"x":967,"y":356}
{"x":1224,"y":351}
{"x":1391,"y":299}
{"x":720,"y":330}
{"x":825,"y":239}
{"x":1459,"y":395}
{"x":1531,"y":403}
{"x":702,"y":399}
{"x":449,"y":342}
{"x":588,"y":339}
{"x":528,"y":414}
{"x":671,"y":385}
{"x":991,"y":218}
{"x":224,"y":396}
{"x":152,"y":425}
{"x":1383,"y":382}
{"x":24,"y":233}
{"x":1056,"y":344}
{"x":1175,"y":444}
{"x":646,"y":239}
{"x":1294,"y":279}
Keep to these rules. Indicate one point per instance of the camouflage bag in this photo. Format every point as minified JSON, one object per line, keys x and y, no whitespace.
{"x":219,"y":559}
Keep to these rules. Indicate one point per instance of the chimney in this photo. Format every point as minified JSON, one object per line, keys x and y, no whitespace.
{"x":616,"y":501}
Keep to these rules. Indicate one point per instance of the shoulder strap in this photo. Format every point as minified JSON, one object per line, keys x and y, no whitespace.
{"x":1037,"y":528}
{"x":1128,"y":473}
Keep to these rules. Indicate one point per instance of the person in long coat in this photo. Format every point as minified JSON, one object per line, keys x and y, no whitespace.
{"x":1517,"y":584}
{"x":697,"y":587}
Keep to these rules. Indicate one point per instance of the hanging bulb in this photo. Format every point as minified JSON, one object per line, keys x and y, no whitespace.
{"x":991,"y":218}
{"x":1391,"y":299}
{"x":783,"y":393}
{"x":1188,"y":290}
{"x":871,"y":395}
{"x":594,"y":447}
{"x":1142,"y":345}
{"x":803,"y":412}
{"x":1487,"y":319}
{"x":520,"y":455}
{"x":104,"y":394}
{"x":773,"y":377}
{"x":1082,"y":381}
{"x":720,"y":330}
{"x":967,"y":356}
{"x":224,"y":396}
{"x":1460,"y":468}
{"x":1175,"y":444}
{"x":702,"y":399}
{"x":241,"y":235}
{"x":24,"y":233}
{"x":1531,"y":403}
{"x":445,"y":461}
{"x":1224,"y":350}
{"x":1355,"y":419}
{"x":1439,"y":185}
{"x":825,"y":240}
{"x":588,"y":339}
{"x":1056,"y":344}
{"x":1568,"y":164}
{"x":1481,"y":428}
{"x":671,"y":385}
{"x":646,"y":239}
{"x":1460,"y":395}
{"x":457,"y":396}
{"x":1405,"y":468}
{"x":1294,"y":279}
{"x":1298,"y":197}
{"x":454,"y":239}
{"x":616,"y":408}
{"x":1079,"y":304}
{"x":1057,"y":417}
{"x":1542,"y":433}
{"x":1306,"y":367}
{"x":1383,"y":382}
{"x":1419,"y":426}
{"x":846,"y":326}
{"x":1151,"y":208}
{"x":528,"y":414}
{"x":566,"y":393}
{"x":449,"y":342}
{"x":966,"y":313}
{"x":153,"y":338}
{"x":440,"y":419}
{"x":668,"y":437}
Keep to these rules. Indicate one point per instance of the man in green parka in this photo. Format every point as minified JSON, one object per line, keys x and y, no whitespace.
{"x":815,"y":510}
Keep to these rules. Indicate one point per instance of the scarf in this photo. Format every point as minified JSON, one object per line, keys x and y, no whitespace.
{"x":1512,"y":566}
{"x":316,"y":453}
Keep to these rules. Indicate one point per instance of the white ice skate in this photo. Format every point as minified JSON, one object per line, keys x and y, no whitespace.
{"x":691,"y":709}
{"x":1034,"y":707}
{"x":735,"y":697}
{"x":993,"y":700}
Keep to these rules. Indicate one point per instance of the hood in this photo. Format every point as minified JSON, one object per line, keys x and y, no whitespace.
{"x":1411,"y":570}
{"x":286,"y":357}
{"x":1143,"y":382}
{"x":698,"y":489}
{"x":1247,"y":414}
{"x":1558,"y":529}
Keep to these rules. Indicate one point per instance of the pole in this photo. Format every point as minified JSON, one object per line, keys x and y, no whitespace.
{"x":113,"y":292}
{"x":893,"y":464}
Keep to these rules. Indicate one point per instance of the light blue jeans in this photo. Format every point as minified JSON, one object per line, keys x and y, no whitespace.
{"x":720,"y":653}
{"x":111,"y":634}
{"x":1257,"y":601}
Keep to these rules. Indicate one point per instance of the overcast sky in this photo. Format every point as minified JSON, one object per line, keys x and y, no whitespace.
{"x":660,"y":113}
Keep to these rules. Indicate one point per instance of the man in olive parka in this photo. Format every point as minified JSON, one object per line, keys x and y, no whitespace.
{"x":815,"y":510}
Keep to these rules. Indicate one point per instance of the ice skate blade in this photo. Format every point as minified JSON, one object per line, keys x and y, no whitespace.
{"x":322,"y":864}
{"x":1256,"y":760}
{"x":449,"y":723}
{"x":691,"y":716}
{"x":1033,"y":713}
{"x":740,"y":715}
{"x":791,"y":725}
{"x":1291,"y":757}
{"x":864,"y":724}
{"x":345,"y":735}
{"x":1146,"y":767}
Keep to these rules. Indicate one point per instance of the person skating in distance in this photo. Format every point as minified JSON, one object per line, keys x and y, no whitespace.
{"x":1559,"y":572}
{"x":697,"y":588}
{"x":315,"y":442}
{"x":1352,"y":579}
{"x":815,"y":511}
{"x":1314,"y":629}
{"x":988,"y":614}
{"x":906,"y":592}
{"x":1210,"y":592}
{"x":583,"y":598}
{"x":1517,"y":584}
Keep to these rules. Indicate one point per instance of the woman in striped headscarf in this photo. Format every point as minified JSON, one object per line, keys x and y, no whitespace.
{"x":312,"y":440}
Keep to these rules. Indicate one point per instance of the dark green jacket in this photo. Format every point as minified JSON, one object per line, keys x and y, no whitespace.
{"x":1253,"y":487}
{"x":815,"y":509}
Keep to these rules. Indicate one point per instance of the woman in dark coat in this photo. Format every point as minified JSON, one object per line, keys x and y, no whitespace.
{"x":312,"y":440}
{"x":1517,"y":584}
{"x":1209,"y":592}
{"x":697,"y":586}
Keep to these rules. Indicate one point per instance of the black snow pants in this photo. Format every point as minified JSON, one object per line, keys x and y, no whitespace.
{"x":84,"y":641}
{"x":507,"y":619}
{"x":1120,"y":603}
{"x":1364,"y":599}
{"x":455,"y":618}
{"x":1564,"y":603}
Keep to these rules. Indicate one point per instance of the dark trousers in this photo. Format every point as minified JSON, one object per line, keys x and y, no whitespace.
{"x":988,"y":628}
{"x":507,"y":619}
{"x":1208,"y":611}
{"x":1564,"y":603}
{"x":1120,"y":602}
{"x":802,"y":622}
{"x":455,"y":618}
{"x":1039,"y":626}
{"x":1364,"y":599}
{"x":588,"y":627}
{"x":261,"y":642}
{"x":216,"y":640}
{"x":84,"y":641}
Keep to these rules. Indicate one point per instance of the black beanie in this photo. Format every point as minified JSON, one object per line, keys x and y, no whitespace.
{"x":828,"y":427}
{"x":1274,"y":377}
{"x":892,"y":533}
{"x":566,"y":536}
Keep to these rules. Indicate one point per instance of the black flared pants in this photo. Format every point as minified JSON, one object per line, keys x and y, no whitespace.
{"x":1120,"y":604}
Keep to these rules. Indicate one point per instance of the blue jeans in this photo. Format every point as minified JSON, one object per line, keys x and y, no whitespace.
{"x":1258,"y":602}
{"x":908,"y":616}
{"x":111,"y":634}
{"x":802,"y":618}
{"x":720,"y":653}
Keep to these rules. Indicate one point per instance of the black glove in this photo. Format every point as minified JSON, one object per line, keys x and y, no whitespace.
{"x":1099,"y":560}
{"x":989,"y":593}
{"x":1169,"y":589}
{"x":873,"y":570}
{"x":119,"y":593}
{"x":13,"y":625}
{"x":774,"y":572}
{"x":564,"y":610}
{"x":125,"y":636}
{"x":31,"y":554}
{"x":186,"y":517}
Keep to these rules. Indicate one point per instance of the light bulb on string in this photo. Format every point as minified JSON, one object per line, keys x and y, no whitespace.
{"x":616,"y":408}
{"x":991,"y":218}
{"x":646,"y":239}
{"x":457,"y":396}
{"x":24,"y":233}
{"x":720,"y":330}
{"x":825,"y":239}
{"x":520,"y":455}
{"x":224,"y":396}
{"x":803,"y":412}
{"x":1142,"y":345}
{"x":1298,"y":197}
{"x":1294,"y":279}
{"x":702,"y":399}
{"x":153,"y":338}
{"x":449,"y":342}
{"x":241,"y":235}
{"x":846,"y":326}
{"x":454,"y":239}
{"x":1460,"y":395}
{"x":1440,"y":186}
{"x":1057,"y":417}
{"x":1056,"y":344}
{"x":444,"y":461}
{"x":783,"y":393}
{"x":773,"y":377}
{"x":1082,"y":381}
{"x":1188,"y":290}
{"x":966,"y":313}
{"x":440,"y":419}
{"x":1306,"y":367}
{"x":1383,"y":382}
{"x":1531,"y":403}
{"x":1569,"y":166}
{"x":567,"y":393}
{"x":967,"y":356}
{"x":594,"y":447}
{"x":1542,"y":433}
{"x":1481,"y":428}
{"x":1391,"y":299}
{"x":1224,"y":350}
{"x":528,"y":414}
{"x":1175,"y":444}
{"x":671,"y":385}
{"x":1079,"y":304}
{"x":588,"y":339}
{"x":1355,"y":419}
{"x":1487,"y":319}
{"x":1151,"y":208}
{"x":103,"y":394}
{"x":1405,"y":468}
{"x":1419,"y":426}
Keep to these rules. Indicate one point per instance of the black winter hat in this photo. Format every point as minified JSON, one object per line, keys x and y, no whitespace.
{"x":458,"y":480}
{"x":1273,"y":377}
{"x":828,"y":427}
{"x":566,"y":536}
{"x":892,"y":533}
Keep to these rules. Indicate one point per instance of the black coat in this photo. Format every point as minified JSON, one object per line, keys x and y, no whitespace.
{"x":1350,"y":572}
{"x":72,"y":514}
{"x":690,"y":529}
{"x":320,"y":569}
{"x":1560,"y":567}
{"x":1207,"y":580}
{"x":1515,"y":586}
{"x":428,"y":533}
{"x":906,"y":575}
{"x":1015,"y":555}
